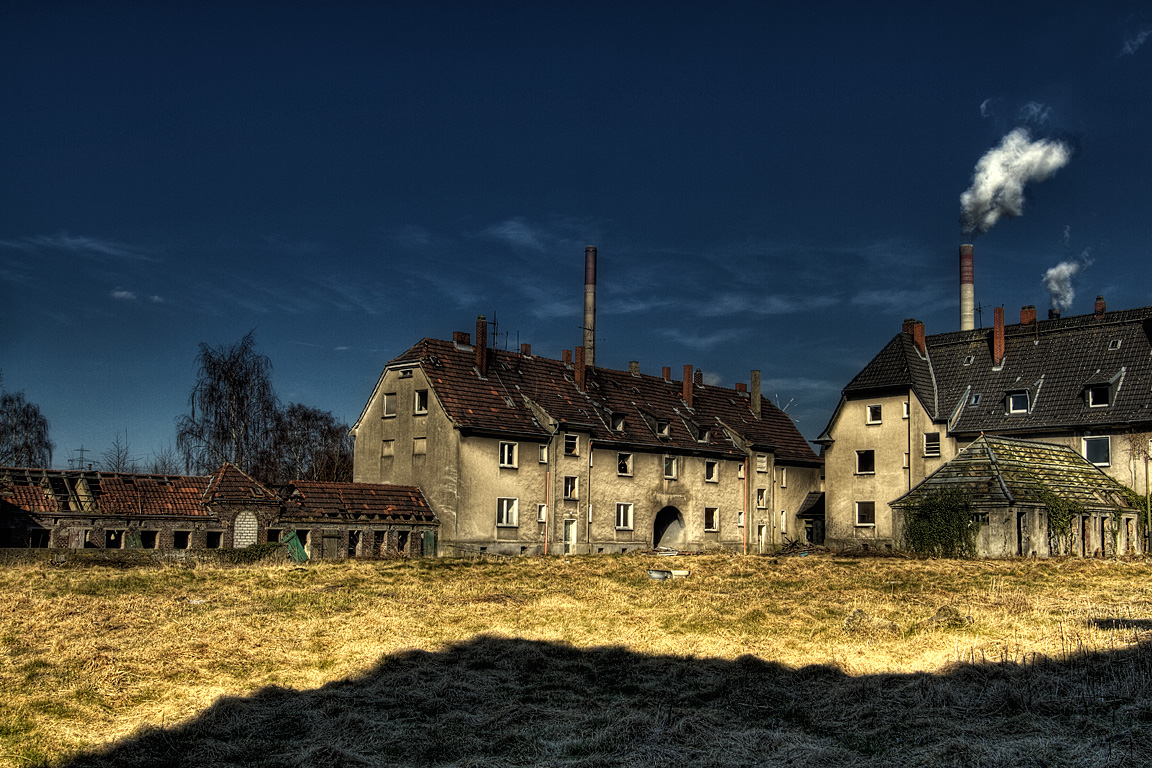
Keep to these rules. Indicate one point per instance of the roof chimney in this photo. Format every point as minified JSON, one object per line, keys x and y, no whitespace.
{"x":741,"y":386}
{"x":590,"y":304}
{"x":1028,"y":315}
{"x":666,"y":373}
{"x":566,"y":356}
{"x":526,"y":350}
{"x":1100,"y":307}
{"x":997,"y":335}
{"x":688,"y":385}
{"x":482,"y":345}
{"x":698,"y":377}
{"x":967,"y":290}
{"x":915,"y":329}
{"x":754,"y":395}
{"x":580,"y":368}
{"x":461,"y":338}
{"x":634,"y":367}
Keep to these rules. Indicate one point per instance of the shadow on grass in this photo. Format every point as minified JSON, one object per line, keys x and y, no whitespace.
{"x":494,"y":701}
{"x":1135,"y":625}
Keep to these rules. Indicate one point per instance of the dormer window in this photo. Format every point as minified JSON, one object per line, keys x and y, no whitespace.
{"x":1017,"y":402}
{"x":1114,"y":344}
{"x":969,"y":360}
{"x":663,"y":427}
{"x":975,"y":399}
{"x":617,"y":422}
{"x":1099,"y":396}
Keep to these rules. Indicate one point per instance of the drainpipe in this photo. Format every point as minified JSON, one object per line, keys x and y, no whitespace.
{"x":548,"y":487}
{"x":588,"y":522}
{"x":747,"y":521}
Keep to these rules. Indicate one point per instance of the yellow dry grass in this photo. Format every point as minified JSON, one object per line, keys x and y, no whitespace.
{"x":93,"y":656}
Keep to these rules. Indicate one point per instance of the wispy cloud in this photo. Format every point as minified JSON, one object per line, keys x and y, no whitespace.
{"x":986,"y":108}
{"x":516,"y":231}
{"x":156,"y":299}
{"x":703,"y":341}
{"x":1036,"y":113}
{"x":122,"y":295}
{"x":414,"y":237}
{"x":90,"y":247}
{"x":1132,"y":44}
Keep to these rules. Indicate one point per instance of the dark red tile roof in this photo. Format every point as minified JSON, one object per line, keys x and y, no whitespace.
{"x":229,"y":485}
{"x":499,"y":403}
{"x":47,"y":491}
{"x":395,"y":503}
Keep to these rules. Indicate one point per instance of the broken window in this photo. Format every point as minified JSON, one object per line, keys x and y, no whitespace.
{"x":181,"y":539}
{"x":624,"y":464}
{"x":874,"y":412}
{"x":865,"y":462}
{"x":212,"y":539}
{"x":624,"y":517}
{"x":711,"y":521}
{"x":571,"y":487}
{"x":670,"y":467}
{"x":865,"y":513}
{"x":711,"y":473}
{"x":1099,"y":395}
{"x":148,"y":539}
{"x":507,"y":512}
{"x":931,"y":443}
{"x":761,"y":498}
{"x":421,"y":405}
{"x":389,"y":404}
{"x":663,"y":427}
{"x":761,"y":462}
{"x":508,"y":454}
{"x":617,"y":422}
{"x":571,"y":445}
{"x":274,"y":535}
{"x":543,"y":458}
{"x":541,"y":513}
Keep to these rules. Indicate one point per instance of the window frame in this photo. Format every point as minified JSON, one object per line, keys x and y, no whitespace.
{"x":711,"y":471}
{"x":671,"y":467}
{"x":1091,"y":391}
{"x":420,"y":402}
{"x":541,"y":513}
{"x":507,"y":512}
{"x":388,"y":405}
{"x":509,"y":454}
{"x":1096,"y":440}
{"x":874,"y":416}
{"x":761,"y":498}
{"x":761,"y":462}
{"x":624,"y":464}
{"x":927,"y":453}
{"x":715,"y":519}
{"x":571,"y":445}
{"x":542,"y":453}
{"x":572,"y":493}
{"x":1010,"y":404}
{"x":869,"y":452}
{"x":860,"y":524}
{"x":627,"y":508}
{"x":906,"y":410}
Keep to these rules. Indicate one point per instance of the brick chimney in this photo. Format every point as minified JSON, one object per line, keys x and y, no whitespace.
{"x":754,"y":394}
{"x":566,"y":356}
{"x":997,"y":335}
{"x":482,"y":345}
{"x":1100,"y":307}
{"x":741,"y":386}
{"x":698,"y":377}
{"x":580,"y":369}
{"x":688,"y":385}
{"x":666,"y":373}
{"x":916,"y":329}
{"x":1027,"y":315}
{"x":461,"y":338}
{"x":526,"y":350}
{"x":634,"y":367}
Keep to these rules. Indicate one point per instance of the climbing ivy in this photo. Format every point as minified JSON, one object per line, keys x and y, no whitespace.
{"x":1061,"y":513}
{"x":940,"y":524}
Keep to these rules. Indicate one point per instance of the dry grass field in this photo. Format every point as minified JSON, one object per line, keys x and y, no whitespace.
{"x":818,"y":660}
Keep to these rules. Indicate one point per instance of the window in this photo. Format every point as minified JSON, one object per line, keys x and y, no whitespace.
{"x":544,"y":453}
{"x":148,"y":539}
{"x":623,"y":517}
{"x":783,"y":477}
{"x":1098,"y":450}
{"x":617,"y":422}
{"x":865,"y":462}
{"x":663,"y":427}
{"x":389,"y":404}
{"x":541,"y":513}
{"x":710,"y":472}
{"x":710,"y":519}
{"x":907,"y":460}
{"x":874,"y":414}
{"x":1099,"y":395}
{"x":740,"y":470}
{"x":624,"y":464}
{"x":275,"y":535}
{"x":670,"y":467}
{"x":1114,"y":344}
{"x":969,"y":359}
{"x":975,"y":399}
{"x":865,"y":513}
{"x":387,"y":447}
{"x":421,"y":405}
{"x":761,"y":498}
{"x":507,"y":514}
{"x":906,"y":411}
{"x":508,"y":455}
{"x":783,"y":521}
{"x":1017,"y":402}
{"x":182,"y":539}
{"x":571,"y":487}
{"x":571,"y":445}
{"x":419,"y":446}
{"x":931,"y":443}
{"x":740,"y":518}
{"x":761,"y":462}
{"x":212,"y":539}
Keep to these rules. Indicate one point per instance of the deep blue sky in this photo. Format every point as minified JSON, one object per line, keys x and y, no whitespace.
{"x":770,"y":185}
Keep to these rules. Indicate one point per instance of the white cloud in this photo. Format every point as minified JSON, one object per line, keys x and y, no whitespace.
{"x":986,"y":108}
{"x":1132,"y":44}
{"x":123,"y":295}
{"x":1035,"y":112}
{"x":90,"y":247}
{"x":998,"y":182}
{"x":517,"y":232}
{"x":155,"y":299}
{"x":702,"y":341}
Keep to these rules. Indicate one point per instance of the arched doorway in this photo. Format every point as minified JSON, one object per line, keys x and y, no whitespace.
{"x":668,"y":529}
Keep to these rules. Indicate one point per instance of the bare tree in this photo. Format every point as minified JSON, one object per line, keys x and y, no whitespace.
{"x":165,"y":461}
{"x":117,"y":457}
{"x":233,"y":408}
{"x":309,"y":444}
{"x":23,"y":433}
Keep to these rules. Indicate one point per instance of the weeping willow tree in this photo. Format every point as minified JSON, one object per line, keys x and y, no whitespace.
{"x":233,"y":409}
{"x":23,"y":433}
{"x":939,"y":524}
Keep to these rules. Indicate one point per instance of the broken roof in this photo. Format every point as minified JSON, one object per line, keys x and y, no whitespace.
{"x":1054,"y":362}
{"x":1003,"y":471}
{"x":394,"y":503}
{"x":522,"y":392}
{"x":48,"y":491}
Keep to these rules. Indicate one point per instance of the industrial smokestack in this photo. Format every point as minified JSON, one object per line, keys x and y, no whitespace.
{"x":590,"y":305}
{"x":967,"y":290}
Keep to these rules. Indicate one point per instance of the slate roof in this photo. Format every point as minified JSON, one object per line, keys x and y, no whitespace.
{"x":48,"y":491}
{"x":395,"y":503}
{"x":1054,"y":361}
{"x":502,"y":403}
{"x":1002,"y":471}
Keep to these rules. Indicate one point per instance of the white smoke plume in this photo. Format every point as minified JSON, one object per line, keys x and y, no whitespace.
{"x":1058,"y":281}
{"x":998,"y":181}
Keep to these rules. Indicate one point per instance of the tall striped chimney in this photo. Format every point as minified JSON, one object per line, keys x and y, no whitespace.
{"x":590,"y":306}
{"x":967,"y":290}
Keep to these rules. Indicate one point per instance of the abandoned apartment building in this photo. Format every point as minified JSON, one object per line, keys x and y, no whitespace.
{"x":67,"y":509}
{"x":1082,"y":382}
